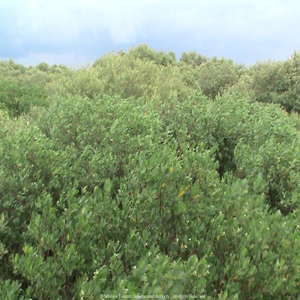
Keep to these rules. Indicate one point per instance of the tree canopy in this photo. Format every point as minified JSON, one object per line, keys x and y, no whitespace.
{"x":141,"y":175}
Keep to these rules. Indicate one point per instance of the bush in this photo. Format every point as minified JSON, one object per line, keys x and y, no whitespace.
{"x":165,"y":193}
{"x":278,"y":82}
{"x":18,"y":100}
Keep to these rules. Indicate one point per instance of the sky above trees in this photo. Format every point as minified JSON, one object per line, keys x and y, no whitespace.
{"x":80,"y":31}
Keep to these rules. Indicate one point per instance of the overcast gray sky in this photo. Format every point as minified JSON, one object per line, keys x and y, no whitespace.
{"x":80,"y":31}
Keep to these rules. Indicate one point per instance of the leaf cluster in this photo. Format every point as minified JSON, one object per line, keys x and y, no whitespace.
{"x":140,"y":176}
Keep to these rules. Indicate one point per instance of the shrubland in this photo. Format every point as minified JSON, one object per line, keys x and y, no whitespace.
{"x":143,"y":176}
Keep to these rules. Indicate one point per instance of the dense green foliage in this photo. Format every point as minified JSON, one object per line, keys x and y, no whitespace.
{"x":141,"y":175}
